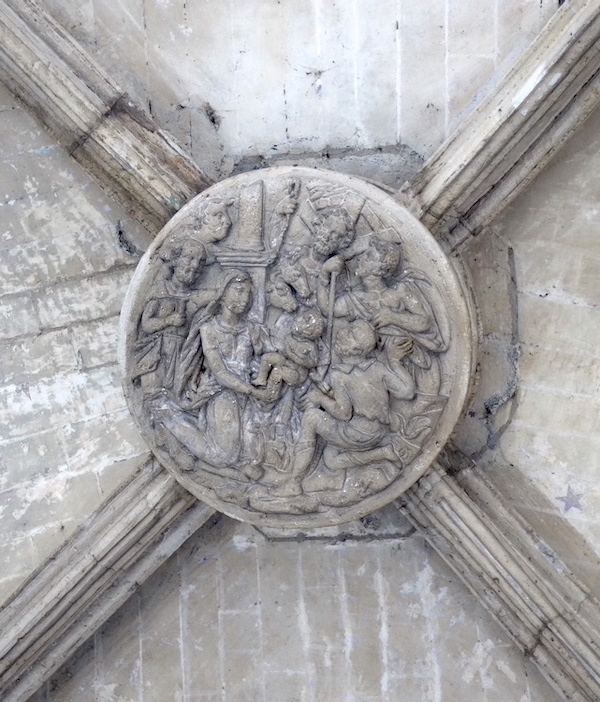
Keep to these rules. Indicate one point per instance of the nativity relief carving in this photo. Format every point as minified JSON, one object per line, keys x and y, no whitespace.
{"x":296,"y":347}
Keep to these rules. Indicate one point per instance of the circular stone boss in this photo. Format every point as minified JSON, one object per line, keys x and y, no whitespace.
{"x":296,"y":347}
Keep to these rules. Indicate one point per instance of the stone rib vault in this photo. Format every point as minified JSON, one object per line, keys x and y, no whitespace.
{"x":524,"y":569}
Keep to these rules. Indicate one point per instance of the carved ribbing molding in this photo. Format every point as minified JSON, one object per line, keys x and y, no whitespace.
{"x":142,"y":166}
{"x":92,"y":575}
{"x":471,"y":178}
{"x":552,"y":617}
{"x":514,"y":132}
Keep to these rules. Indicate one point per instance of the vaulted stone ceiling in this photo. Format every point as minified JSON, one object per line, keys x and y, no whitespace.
{"x":216,"y":133}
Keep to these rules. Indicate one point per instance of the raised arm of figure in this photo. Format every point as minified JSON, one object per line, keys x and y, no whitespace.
{"x":339,"y":406}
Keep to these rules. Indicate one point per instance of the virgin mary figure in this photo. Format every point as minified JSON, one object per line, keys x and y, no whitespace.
{"x":215,"y":395}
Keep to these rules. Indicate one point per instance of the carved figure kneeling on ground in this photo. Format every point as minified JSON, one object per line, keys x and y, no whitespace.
{"x":355,"y":418}
{"x":228,"y":343}
{"x":299,"y":353}
{"x":390,"y":298}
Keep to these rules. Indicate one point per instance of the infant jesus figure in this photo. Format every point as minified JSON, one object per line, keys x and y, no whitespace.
{"x":299,"y":354}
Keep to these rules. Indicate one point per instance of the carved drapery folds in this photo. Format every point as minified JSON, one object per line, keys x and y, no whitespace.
{"x":297,"y":347}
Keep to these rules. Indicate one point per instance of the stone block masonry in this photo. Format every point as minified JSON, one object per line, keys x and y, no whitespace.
{"x":66,"y":439}
{"x":234,"y":617}
{"x":335,"y":75}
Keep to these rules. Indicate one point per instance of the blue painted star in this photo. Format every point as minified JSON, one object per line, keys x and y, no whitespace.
{"x":571,"y":499}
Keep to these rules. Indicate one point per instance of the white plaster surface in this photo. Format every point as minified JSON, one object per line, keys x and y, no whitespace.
{"x":301,"y":76}
{"x":235,"y":618}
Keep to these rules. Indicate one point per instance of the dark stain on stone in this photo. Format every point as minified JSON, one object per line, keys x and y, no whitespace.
{"x":124,"y":242}
{"x":212,"y":115}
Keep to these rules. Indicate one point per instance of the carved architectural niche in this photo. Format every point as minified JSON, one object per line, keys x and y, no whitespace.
{"x":296,"y":347}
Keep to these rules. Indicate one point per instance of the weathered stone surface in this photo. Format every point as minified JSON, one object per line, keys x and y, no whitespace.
{"x":515,"y":131}
{"x":296,"y":347}
{"x":59,"y":247}
{"x":489,"y":264}
{"x":92,"y":117}
{"x":18,"y":317}
{"x":122,"y":544}
{"x":89,"y":298}
{"x":32,"y":357}
{"x":554,"y":436}
{"x":376,"y":621}
{"x":556,"y":621}
{"x":388,"y":166}
{"x":578,"y":325}
{"x":333,"y":76}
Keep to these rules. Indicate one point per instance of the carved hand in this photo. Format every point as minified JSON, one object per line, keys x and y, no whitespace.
{"x":402,"y":350}
{"x":335,"y":264}
{"x":177,"y":319}
{"x":287,"y":206}
{"x":383,"y":318}
{"x":313,"y":398}
{"x":268,"y":394}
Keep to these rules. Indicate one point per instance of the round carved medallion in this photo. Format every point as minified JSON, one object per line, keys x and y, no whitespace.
{"x":296,"y":347}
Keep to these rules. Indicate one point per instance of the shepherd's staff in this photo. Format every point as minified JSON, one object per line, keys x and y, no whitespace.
{"x":330,"y":307}
{"x":321,"y":381}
